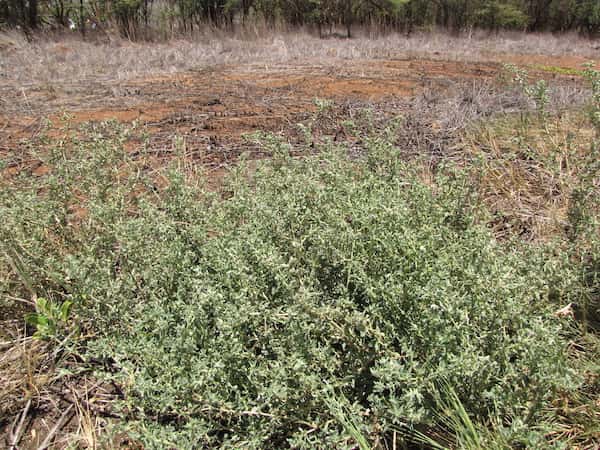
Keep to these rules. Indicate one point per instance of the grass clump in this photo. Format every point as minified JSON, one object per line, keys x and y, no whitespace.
{"x":318,"y":303}
{"x":559,"y":70}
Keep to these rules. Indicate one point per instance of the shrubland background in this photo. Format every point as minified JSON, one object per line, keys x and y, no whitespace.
{"x":160,"y":19}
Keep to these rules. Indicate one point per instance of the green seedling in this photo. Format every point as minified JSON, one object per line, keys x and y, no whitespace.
{"x":49,"y":318}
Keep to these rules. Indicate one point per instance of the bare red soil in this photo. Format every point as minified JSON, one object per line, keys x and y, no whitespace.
{"x":213,"y":109}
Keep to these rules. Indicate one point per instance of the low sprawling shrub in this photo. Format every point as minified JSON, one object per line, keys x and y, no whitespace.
{"x":252,"y":317}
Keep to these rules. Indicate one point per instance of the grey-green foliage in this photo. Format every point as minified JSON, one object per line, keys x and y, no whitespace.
{"x":538,"y":92}
{"x":232,"y":322}
{"x":593,"y":78}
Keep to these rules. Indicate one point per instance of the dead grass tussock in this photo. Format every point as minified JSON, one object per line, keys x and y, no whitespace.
{"x":529,"y":173}
{"x":25,"y":372}
{"x":46,"y":400}
{"x":69,"y":58}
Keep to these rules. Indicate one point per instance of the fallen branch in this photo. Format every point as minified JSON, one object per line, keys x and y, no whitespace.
{"x":61,"y":422}
{"x":16,"y":434}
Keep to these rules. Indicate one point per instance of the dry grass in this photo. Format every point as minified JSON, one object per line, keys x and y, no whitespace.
{"x":69,"y":58}
{"x":20,"y":364}
{"x":531,"y":173}
{"x":47,"y":399}
{"x":434,"y":123}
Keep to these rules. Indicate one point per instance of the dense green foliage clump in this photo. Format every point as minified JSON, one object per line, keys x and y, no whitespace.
{"x":318,"y":290}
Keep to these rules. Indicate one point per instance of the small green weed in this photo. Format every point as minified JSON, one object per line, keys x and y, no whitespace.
{"x":593,"y":78}
{"x":49,"y":318}
{"x":537,"y":92}
{"x":559,"y":70}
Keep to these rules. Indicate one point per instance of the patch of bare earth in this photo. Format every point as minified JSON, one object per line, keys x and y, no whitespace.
{"x":213,"y":108}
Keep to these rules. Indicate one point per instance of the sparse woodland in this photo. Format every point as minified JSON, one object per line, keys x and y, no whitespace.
{"x":158,"y":19}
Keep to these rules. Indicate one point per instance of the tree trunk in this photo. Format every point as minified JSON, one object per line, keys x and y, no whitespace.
{"x":32,"y":19}
{"x":348,"y":18}
{"x":81,"y":18}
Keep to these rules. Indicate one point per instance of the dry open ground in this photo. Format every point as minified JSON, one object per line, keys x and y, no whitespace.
{"x":213,"y":92}
{"x":210,"y":94}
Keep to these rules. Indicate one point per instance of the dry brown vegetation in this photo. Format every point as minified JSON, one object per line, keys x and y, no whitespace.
{"x":107,"y":58}
{"x":213,"y":90}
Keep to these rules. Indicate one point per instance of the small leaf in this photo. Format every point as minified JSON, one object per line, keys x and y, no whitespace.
{"x":65,"y":308}
{"x":33,"y":319}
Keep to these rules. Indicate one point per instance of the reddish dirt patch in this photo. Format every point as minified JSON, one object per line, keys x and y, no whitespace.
{"x":225,"y":102}
{"x":213,"y":108}
{"x":16,"y":127}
